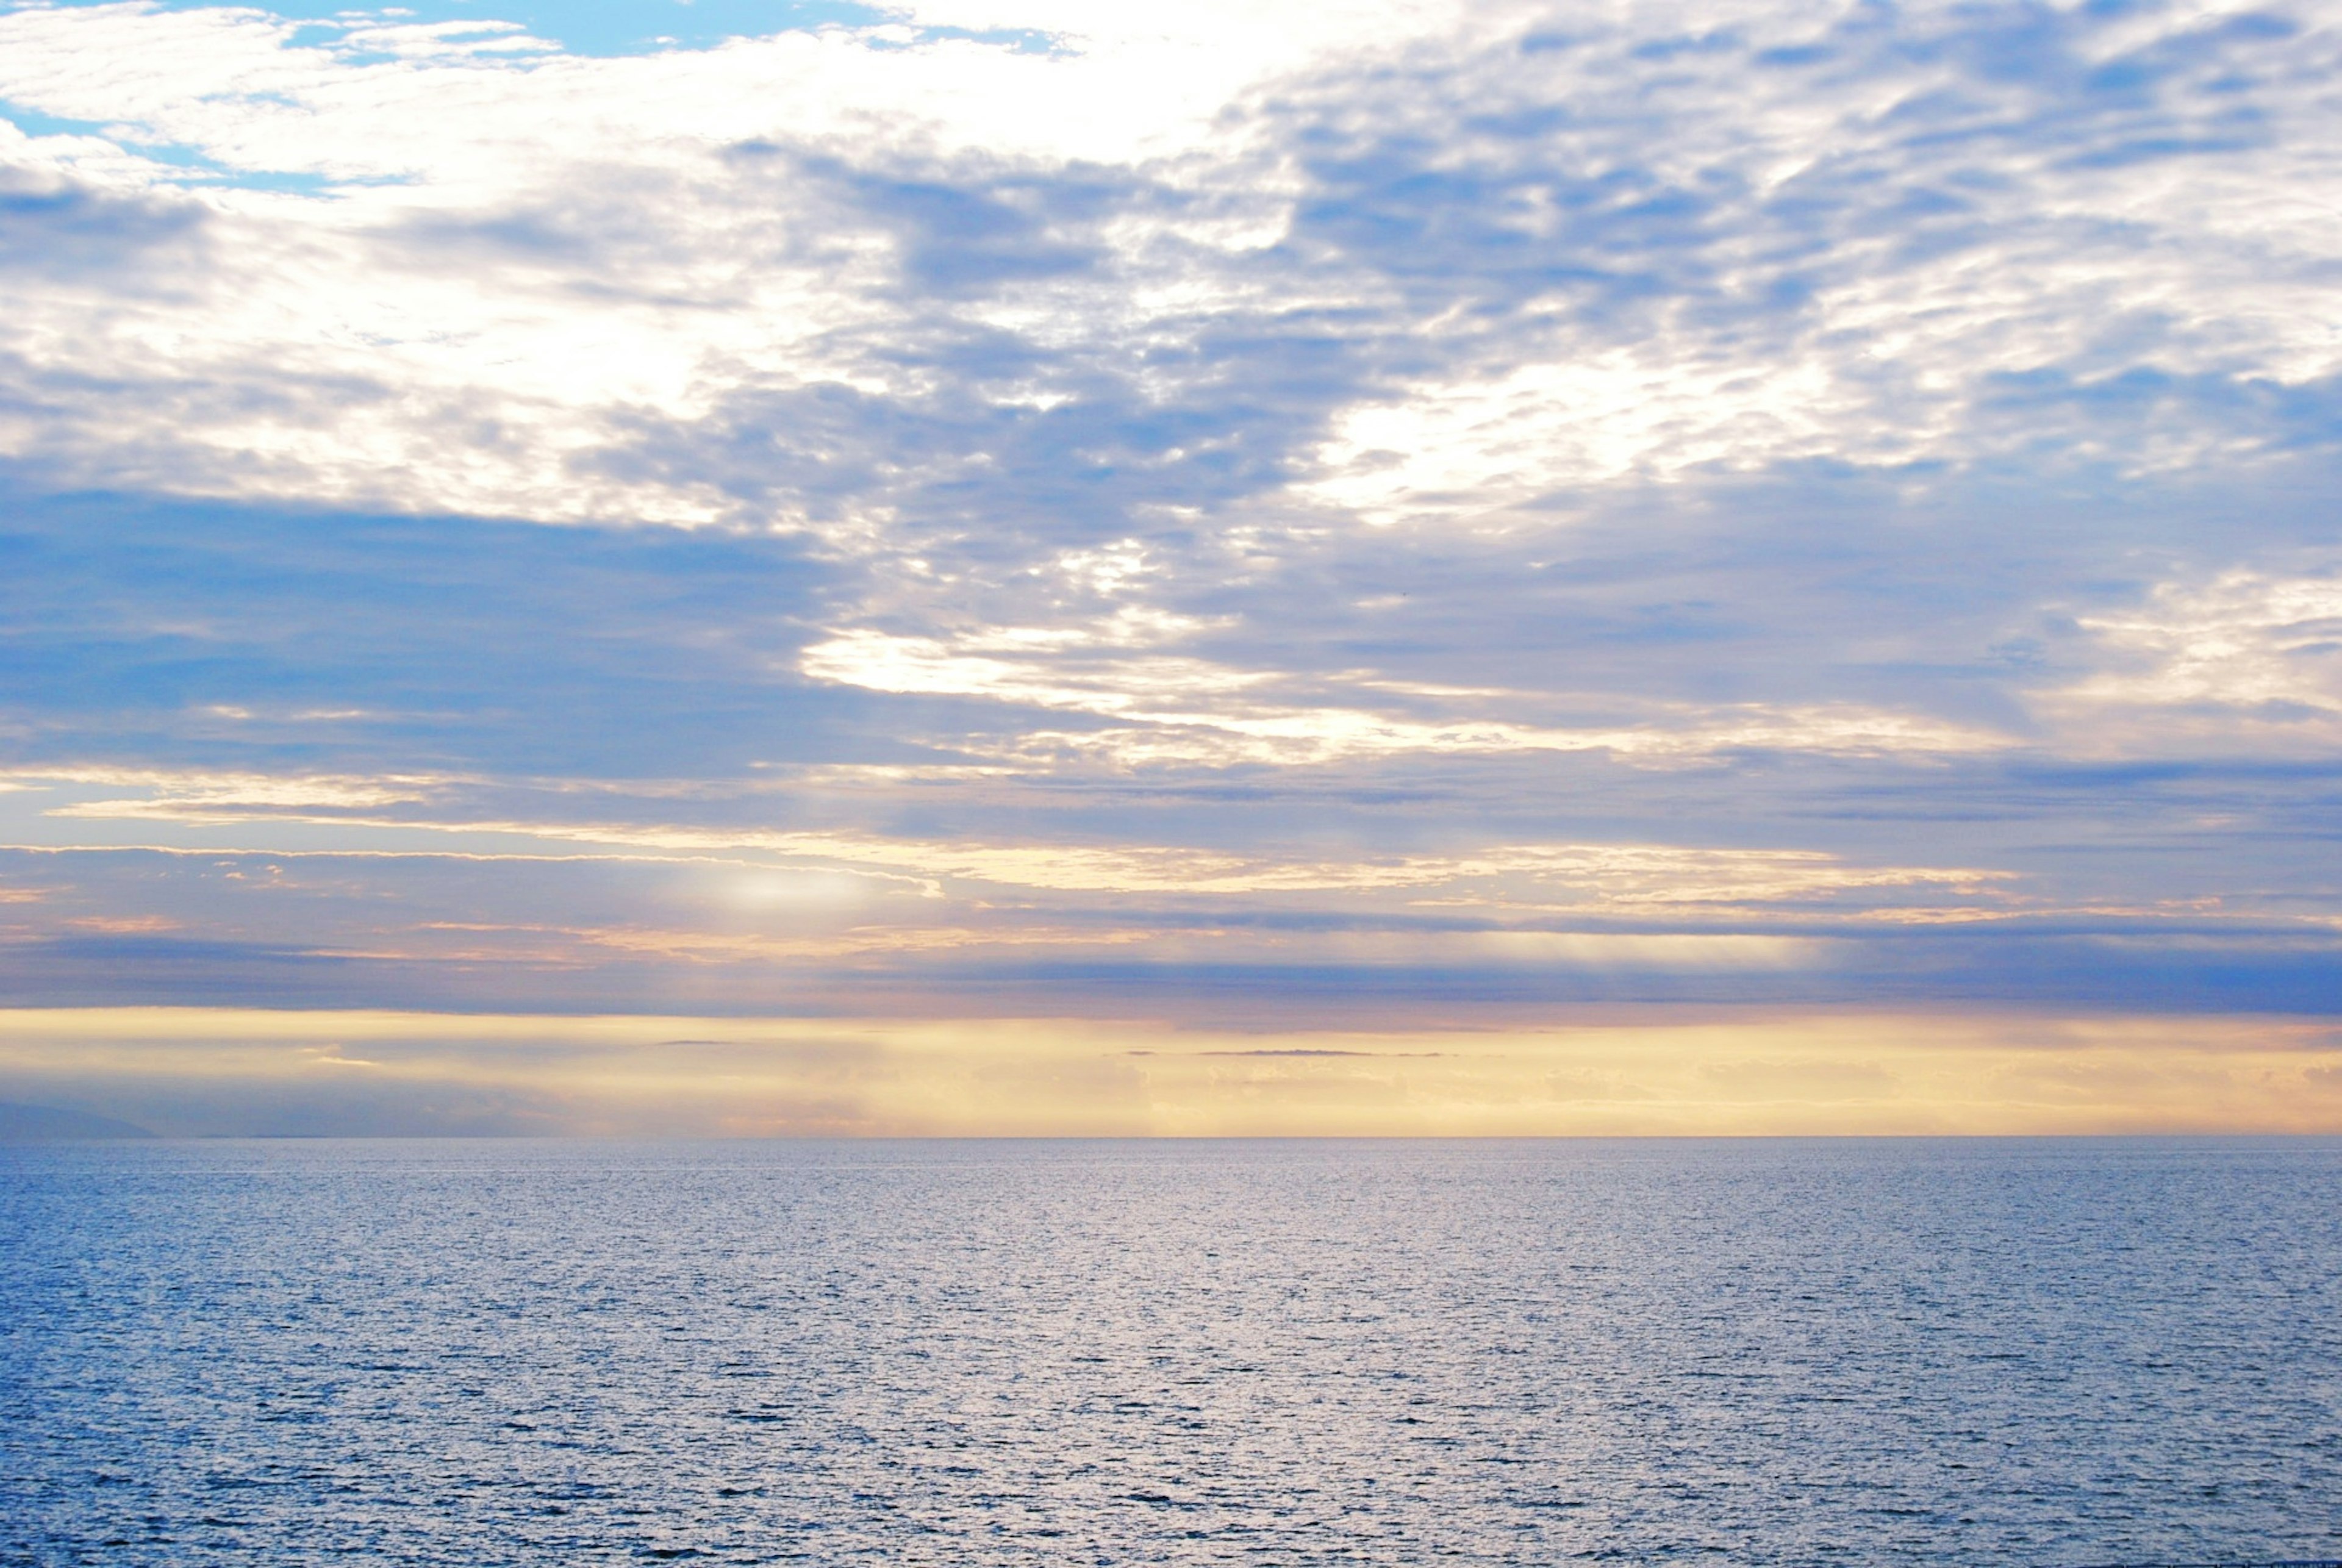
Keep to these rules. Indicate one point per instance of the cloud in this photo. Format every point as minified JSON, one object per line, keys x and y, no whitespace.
{"x":1243,"y":514}
{"x":263,"y":640}
{"x":2250,"y":656}
{"x":1193,"y":712}
{"x":67,"y":234}
{"x":1227,"y":255}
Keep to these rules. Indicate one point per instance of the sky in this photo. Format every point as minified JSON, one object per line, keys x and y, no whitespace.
{"x":1002,"y":566}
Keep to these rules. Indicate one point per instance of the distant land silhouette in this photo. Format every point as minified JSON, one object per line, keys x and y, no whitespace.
{"x":46,"y":1123}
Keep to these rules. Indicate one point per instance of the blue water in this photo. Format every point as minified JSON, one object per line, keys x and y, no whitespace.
{"x":2053,"y":1353}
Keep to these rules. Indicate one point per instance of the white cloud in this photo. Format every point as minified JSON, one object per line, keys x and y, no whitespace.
{"x":1167,"y":708}
{"x":1616,"y":413}
{"x":2252,"y":657}
{"x":182,"y":793}
{"x":562,"y":246}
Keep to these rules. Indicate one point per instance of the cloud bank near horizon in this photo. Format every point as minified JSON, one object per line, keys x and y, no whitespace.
{"x":1407,"y":516}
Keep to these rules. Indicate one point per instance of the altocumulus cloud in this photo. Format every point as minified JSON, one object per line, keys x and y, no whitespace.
{"x":1376,"y":515}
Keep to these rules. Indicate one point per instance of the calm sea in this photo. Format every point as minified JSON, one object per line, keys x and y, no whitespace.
{"x":1897,"y":1351}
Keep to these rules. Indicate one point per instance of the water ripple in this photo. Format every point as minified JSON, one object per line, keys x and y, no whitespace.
{"x":1902,"y":1352}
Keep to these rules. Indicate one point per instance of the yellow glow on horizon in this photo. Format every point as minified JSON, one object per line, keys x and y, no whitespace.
{"x":1751,"y":1073}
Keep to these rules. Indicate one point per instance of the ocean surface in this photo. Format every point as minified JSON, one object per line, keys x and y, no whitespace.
{"x":2055,"y":1352}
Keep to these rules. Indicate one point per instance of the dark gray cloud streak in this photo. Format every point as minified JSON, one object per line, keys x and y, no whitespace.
{"x":64,"y":231}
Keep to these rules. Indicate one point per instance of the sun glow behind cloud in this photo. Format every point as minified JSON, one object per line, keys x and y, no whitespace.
{"x":211,"y":1070}
{"x":1416,"y":518}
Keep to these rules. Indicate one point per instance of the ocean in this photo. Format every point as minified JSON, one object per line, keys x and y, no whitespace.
{"x":1926,"y":1351}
